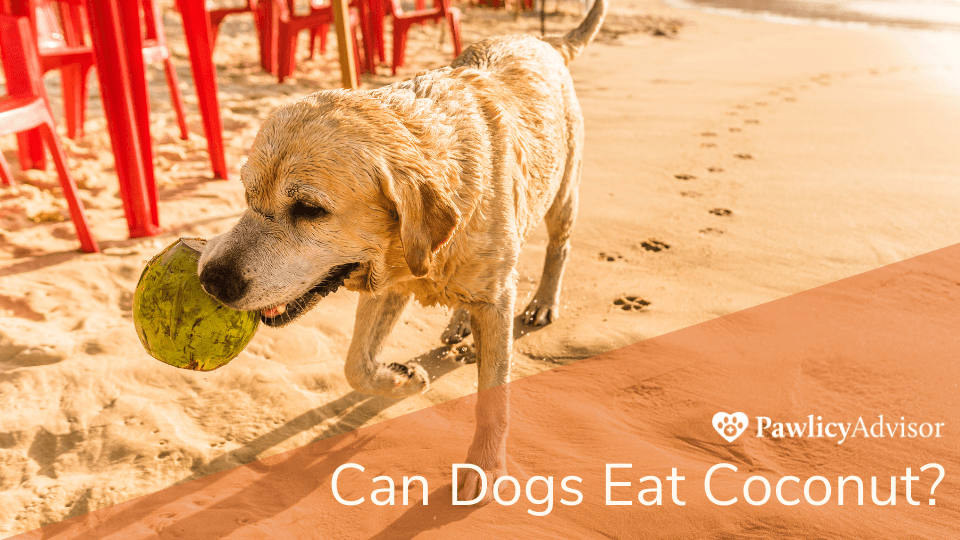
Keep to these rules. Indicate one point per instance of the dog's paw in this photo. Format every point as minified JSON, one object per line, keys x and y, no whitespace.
{"x":540,"y":313}
{"x":407,"y":379}
{"x":458,"y":328}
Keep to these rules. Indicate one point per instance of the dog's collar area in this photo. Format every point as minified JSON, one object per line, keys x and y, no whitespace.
{"x":330,"y":283}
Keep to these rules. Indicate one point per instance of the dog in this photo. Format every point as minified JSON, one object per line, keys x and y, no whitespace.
{"x":425,"y":189}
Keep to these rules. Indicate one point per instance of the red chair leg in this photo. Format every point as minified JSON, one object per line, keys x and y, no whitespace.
{"x":356,"y":48}
{"x":177,"y":97}
{"x":5,"y":175}
{"x":381,"y":41}
{"x":453,"y":17}
{"x":74,"y":78}
{"x":31,"y":151}
{"x":71,"y":78}
{"x":399,"y":44}
{"x":322,"y":31}
{"x":84,"y":93}
{"x":324,"y":37}
{"x":196,"y":24}
{"x":269,"y":31}
{"x":215,"y":20}
{"x":286,"y":53}
{"x":87,"y":243}
{"x":377,"y":12}
{"x":366,"y":30}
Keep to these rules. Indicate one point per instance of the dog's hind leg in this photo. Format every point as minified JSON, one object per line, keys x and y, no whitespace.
{"x":458,"y":328}
{"x":545,"y":306}
{"x":376,"y":317}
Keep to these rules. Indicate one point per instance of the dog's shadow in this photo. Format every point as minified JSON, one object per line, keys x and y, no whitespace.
{"x":420,"y":517}
{"x":521,"y":328}
{"x":353,"y":409}
{"x":465,"y":350}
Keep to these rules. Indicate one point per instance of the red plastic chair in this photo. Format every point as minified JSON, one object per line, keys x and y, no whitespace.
{"x":376,"y":12}
{"x":403,"y":21}
{"x":218,"y":14}
{"x":25,"y":108}
{"x":62,"y":45}
{"x":320,"y":17}
{"x":367,"y":30}
{"x":74,"y":63}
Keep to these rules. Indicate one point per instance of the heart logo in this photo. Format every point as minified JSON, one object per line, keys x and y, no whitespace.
{"x":730,"y":426}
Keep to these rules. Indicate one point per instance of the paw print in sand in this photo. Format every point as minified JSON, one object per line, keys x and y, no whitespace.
{"x":654,"y":245}
{"x":631,"y":303}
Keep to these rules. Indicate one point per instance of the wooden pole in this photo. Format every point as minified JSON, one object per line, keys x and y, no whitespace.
{"x":348,"y":68}
{"x":543,"y":17}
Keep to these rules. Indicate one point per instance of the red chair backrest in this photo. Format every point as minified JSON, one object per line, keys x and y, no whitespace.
{"x":21,"y":61}
{"x":47,"y":26}
{"x":75,"y":24}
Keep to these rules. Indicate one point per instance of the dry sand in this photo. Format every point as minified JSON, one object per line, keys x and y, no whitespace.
{"x":761,"y":159}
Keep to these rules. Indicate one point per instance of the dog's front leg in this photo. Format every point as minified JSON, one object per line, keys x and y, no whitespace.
{"x":493,"y":336}
{"x":376,"y":316}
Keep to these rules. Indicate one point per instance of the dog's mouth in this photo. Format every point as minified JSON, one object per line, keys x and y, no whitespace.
{"x":283,"y":314}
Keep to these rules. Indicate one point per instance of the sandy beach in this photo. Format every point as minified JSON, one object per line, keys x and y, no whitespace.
{"x":730,"y":164}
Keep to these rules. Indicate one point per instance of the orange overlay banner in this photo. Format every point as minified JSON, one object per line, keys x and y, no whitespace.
{"x":832,"y":413}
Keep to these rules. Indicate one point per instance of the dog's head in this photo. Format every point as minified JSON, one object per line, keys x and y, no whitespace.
{"x":339,"y":190}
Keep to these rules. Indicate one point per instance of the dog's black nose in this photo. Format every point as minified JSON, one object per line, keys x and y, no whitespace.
{"x":223,"y":282}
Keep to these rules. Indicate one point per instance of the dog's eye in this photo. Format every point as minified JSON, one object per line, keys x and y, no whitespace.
{"x":309,"y":211}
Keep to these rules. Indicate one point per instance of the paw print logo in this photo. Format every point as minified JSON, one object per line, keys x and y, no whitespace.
{"x":730,"y":426}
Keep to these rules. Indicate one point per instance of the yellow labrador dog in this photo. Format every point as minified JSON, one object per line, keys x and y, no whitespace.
{"x":426,"y":188}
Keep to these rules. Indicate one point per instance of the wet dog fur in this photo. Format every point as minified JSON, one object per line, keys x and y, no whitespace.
{"x":423,"y":189}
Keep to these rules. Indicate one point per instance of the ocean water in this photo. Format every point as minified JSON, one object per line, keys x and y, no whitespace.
{"x":938,"y":15}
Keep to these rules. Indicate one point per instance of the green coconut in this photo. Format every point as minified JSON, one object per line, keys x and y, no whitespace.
{"x":178,"y":322}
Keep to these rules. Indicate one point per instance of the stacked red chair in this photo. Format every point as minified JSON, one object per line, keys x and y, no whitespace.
{"x":217,"y":15}
{"x":26,"y":108}
{"x":291,"y":24}
{"x":61,"y":49}
{"x":62,"y":45}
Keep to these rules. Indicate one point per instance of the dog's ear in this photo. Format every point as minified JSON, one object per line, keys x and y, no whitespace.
{"x":428,"y":217}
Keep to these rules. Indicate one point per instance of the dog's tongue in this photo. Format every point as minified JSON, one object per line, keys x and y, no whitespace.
{"x":275,"y":311}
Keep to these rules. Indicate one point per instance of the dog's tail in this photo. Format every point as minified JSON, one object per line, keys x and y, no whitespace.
{"x":572,"y":44}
